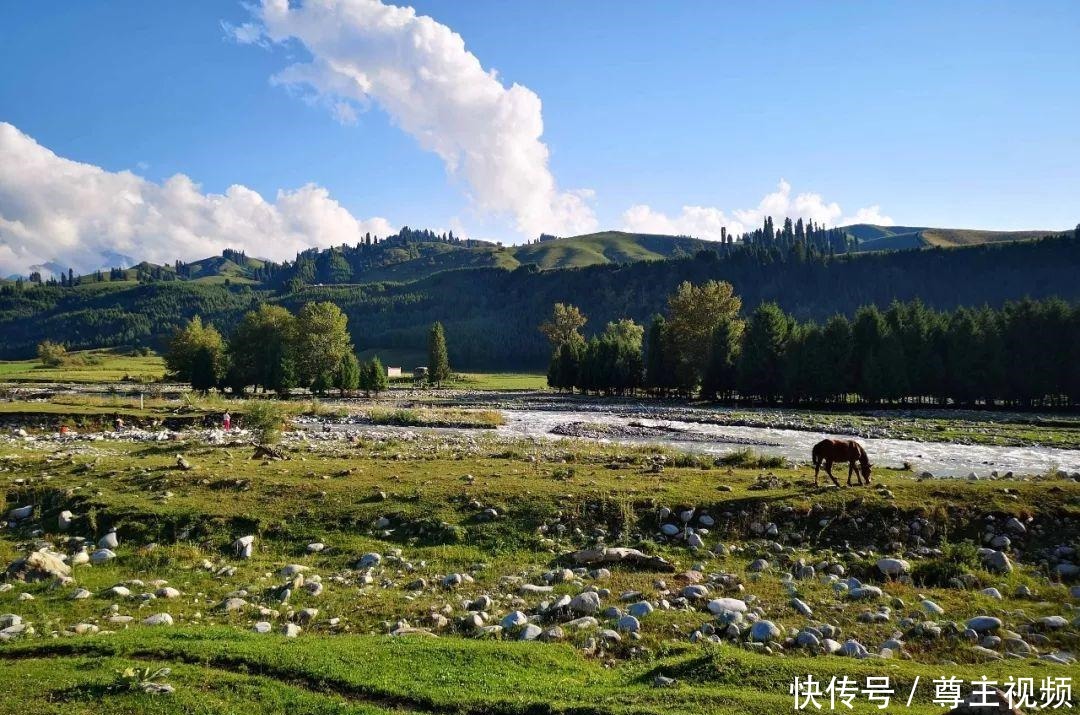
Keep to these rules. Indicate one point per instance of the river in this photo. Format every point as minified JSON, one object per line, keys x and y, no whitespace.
{"x":942,"y":459}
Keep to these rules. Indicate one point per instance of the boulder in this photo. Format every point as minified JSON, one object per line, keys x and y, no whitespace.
{"x":621,"y":555}
{"x":586,"y":603}
{"x":764,"y":632}
{"x":984,"y":624}
{"x":101,"y":556}
{"x":997,"y":561}
{"x":38,"y":566}
{"x":893,"y":567}
{"x":718,"y":606}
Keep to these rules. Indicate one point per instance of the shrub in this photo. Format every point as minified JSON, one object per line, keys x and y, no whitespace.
{"x":956,"y":560}
{"x":748,"y":458}
{"x":51,"y":354}
{"x":264,"y":418}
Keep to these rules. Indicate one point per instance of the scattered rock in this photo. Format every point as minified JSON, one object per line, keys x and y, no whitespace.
{"x":38,"y":566}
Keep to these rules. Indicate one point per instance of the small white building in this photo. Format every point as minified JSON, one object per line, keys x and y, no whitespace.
{"x":393,"y":371}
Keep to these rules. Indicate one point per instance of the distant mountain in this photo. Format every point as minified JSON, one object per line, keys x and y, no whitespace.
{"x":412,"y":255}
{"x":895,"y":238}
{"x":406,"y":257}
{"x":392,"y":291}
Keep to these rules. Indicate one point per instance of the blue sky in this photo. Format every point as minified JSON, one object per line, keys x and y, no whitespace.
{"x":961,"y":114}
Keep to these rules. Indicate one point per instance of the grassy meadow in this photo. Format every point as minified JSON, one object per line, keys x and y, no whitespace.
{"x":457,"y":519}
{"x":87,"y":366}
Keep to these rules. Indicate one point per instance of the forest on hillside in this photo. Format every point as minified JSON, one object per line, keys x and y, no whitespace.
{"x":490,"y":314}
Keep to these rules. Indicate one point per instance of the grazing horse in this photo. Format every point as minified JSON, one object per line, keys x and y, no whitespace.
{"x":841,"y":450}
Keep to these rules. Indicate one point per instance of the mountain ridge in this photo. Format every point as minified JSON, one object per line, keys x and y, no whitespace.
{"x":413,"y":255}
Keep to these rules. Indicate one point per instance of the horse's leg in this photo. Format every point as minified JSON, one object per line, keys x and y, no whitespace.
{"x":817,"y":468}
{"x":828,"y":470}
{"x":850,"y":469}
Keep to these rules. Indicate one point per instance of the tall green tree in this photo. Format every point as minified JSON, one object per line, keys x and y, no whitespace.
{"x":837,"y":377}
{"x":564,"y":366}
{"x":694,"y":312}
{"x":962,"y":351}
{"x":438,"y":358}
{"x":720,"y":372}
{"x":321,"y":343}
{"x":659,"y":358}
{"x":347,"y":376}
{"x":564,"y":325}
{"x":380,"y":381}
{"x":262,"y":349}
{"x":197,"y":355}
{"x":623,"y":342}
{"x":760,"y":365}
{"x":867,"y":335}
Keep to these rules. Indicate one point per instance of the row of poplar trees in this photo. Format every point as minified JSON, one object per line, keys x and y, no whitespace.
{"x":1026,"y":353}
{"x":275,"y":351}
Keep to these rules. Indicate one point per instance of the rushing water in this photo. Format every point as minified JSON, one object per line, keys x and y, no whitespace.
{"x":938,"y":458}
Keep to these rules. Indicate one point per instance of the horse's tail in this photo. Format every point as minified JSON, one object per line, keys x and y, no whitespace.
{"x":815,"y":455}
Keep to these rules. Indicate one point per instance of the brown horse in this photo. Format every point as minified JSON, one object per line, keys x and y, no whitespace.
{"x":841,"y":450}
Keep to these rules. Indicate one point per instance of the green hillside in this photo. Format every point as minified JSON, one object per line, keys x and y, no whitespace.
{"x":896,"y":238}
{"x":420,"y":259}
{"x":606,"y":247}
{"x":413,"y":255}
{"x":968,"y":237}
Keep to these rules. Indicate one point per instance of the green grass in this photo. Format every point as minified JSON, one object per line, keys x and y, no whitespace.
{"x":971,"y":237}
{"x":216,"y":670}
{"x":435,"y":417}
{"x":894,"y":238}
{"x":89,"y":366}
{"x":748,"y":458}
{"x":433,"y":489}
{"x":499,"y":381}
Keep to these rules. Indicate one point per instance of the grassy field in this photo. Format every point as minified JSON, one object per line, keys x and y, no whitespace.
{"x":499,"y":515}
{"x":969,"y":237}
{"x":499,"y":381}
{"x":107,"y":366}
{"x":88,"y":366}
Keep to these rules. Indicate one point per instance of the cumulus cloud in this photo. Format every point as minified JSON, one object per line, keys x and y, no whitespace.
{"x":419,"y":71}
{"x":706,"y":222}
{"x":57,"y":211}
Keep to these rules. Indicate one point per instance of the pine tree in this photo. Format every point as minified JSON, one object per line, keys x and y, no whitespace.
{"x":379,"y":379}
{"x":719,"y":379}
{"x":837,"y":376}
{"x":760,"y":365}
{"x":438,"y":359}
{"x":347,"y":377}
{"x":658,"y":362}
{"x":867,"y":334}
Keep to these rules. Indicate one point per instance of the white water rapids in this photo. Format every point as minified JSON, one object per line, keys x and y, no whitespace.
{"x":938,"y":458}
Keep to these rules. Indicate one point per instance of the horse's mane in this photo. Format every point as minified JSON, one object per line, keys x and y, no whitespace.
{"x":863,"y":458}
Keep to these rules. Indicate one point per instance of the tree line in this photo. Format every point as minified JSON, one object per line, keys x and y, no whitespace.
{"x":274,"y":350}
{"x":490,"y":314}
{"x":1024,"y":354}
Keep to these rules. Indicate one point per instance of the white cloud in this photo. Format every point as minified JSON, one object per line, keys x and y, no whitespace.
{"x":420,"y":73}
{"x":870,"y":214}
{"x":82,"y":216}
{"x":706,"y":222}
